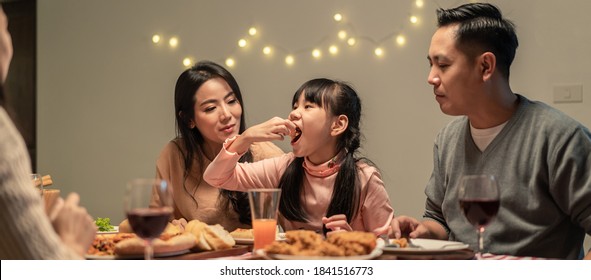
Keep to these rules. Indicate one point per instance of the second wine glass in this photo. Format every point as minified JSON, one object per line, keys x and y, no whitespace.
{"x":148,"y":220}
{"x":479,"y":201}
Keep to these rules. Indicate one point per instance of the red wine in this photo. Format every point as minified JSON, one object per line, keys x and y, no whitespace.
{"x":479,"y":212}
{"x":148,"y":223}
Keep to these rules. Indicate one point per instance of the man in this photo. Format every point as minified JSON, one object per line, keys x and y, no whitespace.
{"x":540,"y":157}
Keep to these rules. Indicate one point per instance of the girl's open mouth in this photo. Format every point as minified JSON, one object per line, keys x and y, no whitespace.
{"x":296,"y":135}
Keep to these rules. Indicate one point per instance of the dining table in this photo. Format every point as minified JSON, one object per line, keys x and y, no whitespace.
{"x":244,"y":252}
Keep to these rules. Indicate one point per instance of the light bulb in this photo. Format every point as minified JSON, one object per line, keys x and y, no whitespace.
{"x":252,"y":31}
{"x":414,"y":19}
{"x":316,"y":53}
{"x":338,"y":17}
{"x":379,"y":52}
{"x":242,"y":43}
{"x":400,"y":40}
{"x":267,"y":50}
{"x":156,"y":39}
{"x":419,"y":3}
{"x":173,"y":42}
{"x":351,"y":41}
{"x":342,"y":34}
{"x":289,"y":60}
{"x":230,"y":62}
{"x":187,"y":61}
{"x":333,"y":50}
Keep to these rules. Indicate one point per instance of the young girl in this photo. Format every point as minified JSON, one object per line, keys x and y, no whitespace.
{"x":324,"y":186}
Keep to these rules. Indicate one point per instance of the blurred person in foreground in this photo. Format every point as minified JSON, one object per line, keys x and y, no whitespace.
{"x":208,"y":110}
{"x":540,"y":156}
{"x":27,"y":232}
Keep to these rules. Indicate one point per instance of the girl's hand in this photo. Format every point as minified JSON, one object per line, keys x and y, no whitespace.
{"x":336,"y":223}
{"x":273,"y":129}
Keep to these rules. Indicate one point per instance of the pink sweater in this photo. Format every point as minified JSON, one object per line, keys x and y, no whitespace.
{"x":374,"y":213}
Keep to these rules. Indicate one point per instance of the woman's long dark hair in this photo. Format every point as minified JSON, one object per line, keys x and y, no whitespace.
{"x":184,"y":103}
{"x":338,"y":98}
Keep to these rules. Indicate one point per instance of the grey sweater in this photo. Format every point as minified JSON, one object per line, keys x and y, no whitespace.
{"x":542,"y":161}
{"x":25,"y":230}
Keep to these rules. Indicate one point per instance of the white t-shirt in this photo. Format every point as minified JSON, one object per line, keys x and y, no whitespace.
{"x":483,"y":137}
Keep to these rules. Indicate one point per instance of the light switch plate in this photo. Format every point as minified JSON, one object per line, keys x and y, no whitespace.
{"x":568,"y":93}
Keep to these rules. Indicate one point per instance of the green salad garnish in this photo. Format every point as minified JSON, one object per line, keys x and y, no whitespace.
{"x":104,"y":224}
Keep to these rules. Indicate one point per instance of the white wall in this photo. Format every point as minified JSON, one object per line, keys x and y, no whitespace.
{"x":105,"y":92}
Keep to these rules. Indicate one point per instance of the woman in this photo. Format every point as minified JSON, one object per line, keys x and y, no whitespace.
{"x":208,"y":110}
{"x":26,"y":231}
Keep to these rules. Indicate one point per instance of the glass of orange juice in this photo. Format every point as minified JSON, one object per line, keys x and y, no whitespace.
{"x":263,"y":207}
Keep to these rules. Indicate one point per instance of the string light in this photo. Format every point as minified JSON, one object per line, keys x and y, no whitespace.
{"x":252,"y":31}
{"x":338,"y":17}
{"x":378,"y":52}
{"x":346,"y":33}
{"x":351,"y":41}
{"x":230,"y":62}
{"x":156,"y":39}
{"x":242,"y":43}
{"x":316,"y":53}
{"x":333,"y":50}
{"x":400,"y":40}
{"x":173,"y":42}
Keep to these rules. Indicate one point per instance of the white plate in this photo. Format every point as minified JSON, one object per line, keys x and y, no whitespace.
{"x":377,"y":251}
{"x":115,"y":230}
{"x":250,"y":241}
{"x":156,"y":255}
{"x":429,"y":246}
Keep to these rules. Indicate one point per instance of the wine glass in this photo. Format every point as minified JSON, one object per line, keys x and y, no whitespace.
{"x":479,"y":200}
{"x":37,"y":182}
{"x":148,"y":220}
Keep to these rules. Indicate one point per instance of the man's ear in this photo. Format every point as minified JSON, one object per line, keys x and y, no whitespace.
{"x":339,"y":125}
{"x":488,"y":65}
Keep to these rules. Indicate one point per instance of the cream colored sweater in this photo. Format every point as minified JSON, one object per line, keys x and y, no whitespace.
{"x":25,"y":230}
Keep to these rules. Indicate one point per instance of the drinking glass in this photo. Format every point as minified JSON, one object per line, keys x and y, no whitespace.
{"x":147,"y":220}
{"x":263,"y":207}
{"x":37,"y":182}
{"x":479,"y":200}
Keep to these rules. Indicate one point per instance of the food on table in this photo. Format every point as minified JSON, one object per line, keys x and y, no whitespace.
{"x":104,"y":244}
{"x":354,"y":243}
{"x":242,"y":233}
{"x":173,"y":243}
{"x":124,"y":226}
{"x":246,"y":233}
{"x":104,"y":224}
{"x":209,"y":237}
{"x":401,"y":242}
{"x":309,"y":243}
{"x":196,"y":236}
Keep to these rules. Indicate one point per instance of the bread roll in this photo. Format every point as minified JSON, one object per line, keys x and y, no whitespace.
{"x":218,"y":238}
{"x":197,"y":229}
{"x":125,"y":227}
